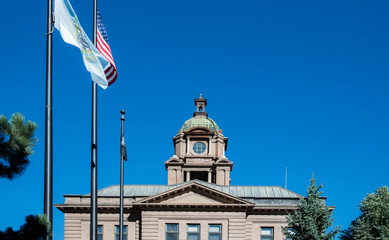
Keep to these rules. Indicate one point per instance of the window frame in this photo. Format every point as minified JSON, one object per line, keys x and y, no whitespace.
{"x":125,"y":232}
{"x":267,"y":235}
{"x":202,"y":147}
{"x":100,"y":235}
{"x":219,"y":233}
{"x":167,"y":232}
{"x":190,"y":232}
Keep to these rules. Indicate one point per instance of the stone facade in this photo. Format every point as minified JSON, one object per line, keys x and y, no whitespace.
{"x":198,"y":196}
{"x":190,"y":203}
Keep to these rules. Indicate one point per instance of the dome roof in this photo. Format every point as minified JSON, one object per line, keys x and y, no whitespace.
{"x":200,"y":121}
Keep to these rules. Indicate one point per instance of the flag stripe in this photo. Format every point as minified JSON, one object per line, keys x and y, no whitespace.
{"x":103,"y":46}
{"x":102,"y":39}
{"x":111,"y":75}
{"x":113,"y":78}
{"x":109,"y":71}
{"x":102,"y":51}
{"x":105,"y":50}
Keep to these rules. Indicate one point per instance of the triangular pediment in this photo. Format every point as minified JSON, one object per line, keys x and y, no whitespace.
{"x":193,"y":194}
{"x":192,"y":197}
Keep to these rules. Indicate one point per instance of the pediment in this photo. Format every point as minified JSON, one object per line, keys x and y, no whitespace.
{"x":192,"y":197}
{"x":193,"y":194}
{"x":223,"y":160}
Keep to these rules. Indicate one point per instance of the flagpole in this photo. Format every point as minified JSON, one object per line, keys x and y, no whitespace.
{"x":122,"y":119}
{"x":48,"y":179}
{"x":93,"y":212}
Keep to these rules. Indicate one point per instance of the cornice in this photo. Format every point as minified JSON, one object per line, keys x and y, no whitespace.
{"x":85,"y":208}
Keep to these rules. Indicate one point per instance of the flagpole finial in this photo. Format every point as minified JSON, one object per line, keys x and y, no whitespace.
{"x":122,"y":112}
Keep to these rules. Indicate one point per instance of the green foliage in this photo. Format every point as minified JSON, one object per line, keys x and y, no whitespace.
{"x":373,"y":223}
{"x":17,"y":140}
{"x":35,"y":228}
{"x":312,"y":218}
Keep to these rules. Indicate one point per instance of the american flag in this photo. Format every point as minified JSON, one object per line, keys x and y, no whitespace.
{"x":103,"y":47}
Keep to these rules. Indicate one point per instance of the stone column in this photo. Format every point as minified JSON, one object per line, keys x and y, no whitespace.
{"x":227,"y":177}
{"x":187,"y":145}
{"x":171,"y":178}
{"x":187,"y":176}
{"x":209,"y":145}
{"x":179,"y":176}
{"x":210,"y":177}
{"x":220,"y":177}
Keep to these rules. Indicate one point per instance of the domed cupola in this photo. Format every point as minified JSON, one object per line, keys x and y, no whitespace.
{"x":199,"y":150}
{"x":200,"y":118}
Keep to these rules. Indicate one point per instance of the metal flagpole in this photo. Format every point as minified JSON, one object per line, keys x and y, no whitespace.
{"x":93,"y":211}
{"x":48,"y":179}
{"x":122,"y":119}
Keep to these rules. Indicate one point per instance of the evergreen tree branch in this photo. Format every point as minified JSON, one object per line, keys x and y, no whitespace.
{"x":17,"y":140}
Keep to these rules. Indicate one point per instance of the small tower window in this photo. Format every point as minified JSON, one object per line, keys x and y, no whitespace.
{"x":199,"y":147}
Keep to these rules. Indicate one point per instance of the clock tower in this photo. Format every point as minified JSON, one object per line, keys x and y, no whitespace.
{"x":199,"y":151}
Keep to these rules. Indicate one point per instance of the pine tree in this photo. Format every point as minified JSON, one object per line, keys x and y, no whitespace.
{"x":35,"y":228}
{"x":373,"y":223}
{"x":312,"y":218}
{"x":16,"y":142}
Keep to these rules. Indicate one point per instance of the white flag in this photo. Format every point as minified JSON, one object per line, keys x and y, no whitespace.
{"x":67,"y":23}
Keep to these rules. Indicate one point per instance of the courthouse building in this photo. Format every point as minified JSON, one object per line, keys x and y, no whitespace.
{"x":198,"y":202}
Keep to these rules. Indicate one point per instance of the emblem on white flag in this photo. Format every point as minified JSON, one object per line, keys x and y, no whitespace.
{"x":69,"y":26}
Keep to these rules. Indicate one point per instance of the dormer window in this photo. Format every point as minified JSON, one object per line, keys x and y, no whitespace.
{"x":199,"y":147}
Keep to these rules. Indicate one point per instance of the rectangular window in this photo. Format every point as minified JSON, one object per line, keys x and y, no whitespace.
{"x":117,"y":232}
{"x":267,"y":233}
{"x":99,"y":232}
{"x":215,"y":232}
{"x":171,"y":231}
{"x":193,"y":231}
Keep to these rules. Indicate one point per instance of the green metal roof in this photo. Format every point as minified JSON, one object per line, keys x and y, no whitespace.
{"x":237,"y":191}
{"x":200,"y":121}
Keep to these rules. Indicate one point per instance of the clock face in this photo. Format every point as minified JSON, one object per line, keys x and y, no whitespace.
{"x":199,"y":147}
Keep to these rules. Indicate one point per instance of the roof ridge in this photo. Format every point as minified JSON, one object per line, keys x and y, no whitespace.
{"x":234,"y":190}
{"x":200,"y":181}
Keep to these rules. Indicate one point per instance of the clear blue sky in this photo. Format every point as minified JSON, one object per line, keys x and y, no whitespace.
{"x":297,"y":84}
